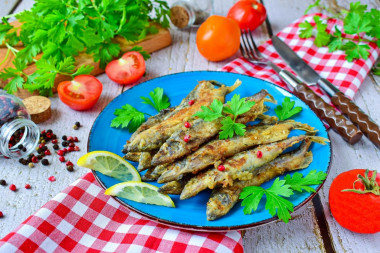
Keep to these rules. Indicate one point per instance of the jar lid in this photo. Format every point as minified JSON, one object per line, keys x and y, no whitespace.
{"x":179,"y":16}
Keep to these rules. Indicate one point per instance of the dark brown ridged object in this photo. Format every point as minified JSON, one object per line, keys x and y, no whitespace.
{"x":335,"y":119}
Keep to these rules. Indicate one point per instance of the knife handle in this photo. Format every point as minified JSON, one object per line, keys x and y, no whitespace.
{"x":363,"y":121}
{"x":335,"y":119}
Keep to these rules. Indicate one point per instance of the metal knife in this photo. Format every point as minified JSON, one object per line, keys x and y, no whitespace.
{"x":310,"y":76}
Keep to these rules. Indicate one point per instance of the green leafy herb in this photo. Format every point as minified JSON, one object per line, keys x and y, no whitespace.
{"x":60,"y":30}
{"x":357,"y":21}
{"x":275,"y":196}
{"x":159,"y":100}
{"x":287,"y":109}
{"x":128,"y":117}
{"x":131,"y":118}
{"x":234,"y":108}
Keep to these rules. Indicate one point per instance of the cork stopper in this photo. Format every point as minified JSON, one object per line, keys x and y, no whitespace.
{"x":38,"y":107}
{"x":179,"y":16}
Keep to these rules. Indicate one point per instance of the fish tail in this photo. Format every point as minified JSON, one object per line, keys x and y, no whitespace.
{"x":318,"y":139}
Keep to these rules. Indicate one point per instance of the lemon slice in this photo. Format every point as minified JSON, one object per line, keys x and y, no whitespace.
{"x":109,"y":164}
{"x":140,"y":192}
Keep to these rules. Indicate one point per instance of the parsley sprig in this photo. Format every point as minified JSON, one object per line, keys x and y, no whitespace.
{"x":60,"y":30}
{"x":131,"y":118}
{"x":361,"y":26}
{"x":287,"y":109}
{"x":277,"y":194}
{"x":228,"y":113}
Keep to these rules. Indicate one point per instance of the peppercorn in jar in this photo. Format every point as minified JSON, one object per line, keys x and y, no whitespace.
{"x":18,"y":134}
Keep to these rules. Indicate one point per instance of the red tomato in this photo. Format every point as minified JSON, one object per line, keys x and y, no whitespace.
{"x":218,"y":38}
{"x":81,"y":93}
{"x":248,"y":13}
{"x":355,"y":211}
{"x":126,"y":70}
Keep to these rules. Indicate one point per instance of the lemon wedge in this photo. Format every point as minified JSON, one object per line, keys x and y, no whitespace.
{"x":109,"y":164}
{"x":140,"y":192}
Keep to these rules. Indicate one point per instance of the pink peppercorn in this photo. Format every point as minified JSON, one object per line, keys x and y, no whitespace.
{"x":187,"y":124}
{"x":68,"y":163}
{"x":186,"y":138}
{"x":70,"y":149}
{"x":27,"y":186}
{"x":60,"y":153}
{"x":62,"y":158}
{"x":52,"y":178}
{"x":41,"y":145}
{"x":12,"y":187}
{"x":221,"y":167}
{"x":34,"y":159}
{"x":191,"y":102}
{"x":259,"y":154}
{"x":55,"y":141}
{"x":47,"y":152}
{"x":75,"y":139}
{"x":76,"y":148}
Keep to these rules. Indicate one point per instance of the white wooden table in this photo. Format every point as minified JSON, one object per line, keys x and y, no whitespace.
{"x":312,"y":229}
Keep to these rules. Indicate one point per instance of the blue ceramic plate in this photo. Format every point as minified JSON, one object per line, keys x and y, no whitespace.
{"x":191,"y":213}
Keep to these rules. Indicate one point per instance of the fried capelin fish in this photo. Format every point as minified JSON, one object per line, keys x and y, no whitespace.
{"x":217,"y":150}
{"x":155,"y":136}
{"x":223,"y":199}
{"x":202,"y":131}
{"x":241,"y":165}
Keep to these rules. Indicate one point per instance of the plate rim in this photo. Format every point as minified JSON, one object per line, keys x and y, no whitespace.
{"x":213,"y":228}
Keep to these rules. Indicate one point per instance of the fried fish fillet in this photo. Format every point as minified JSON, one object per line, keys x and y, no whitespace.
{"x":202,"y":131}
{"x":155,"y":136}
{"x":217,"y":150}
{"x":223,"y":199}
{"x":241,"y":165}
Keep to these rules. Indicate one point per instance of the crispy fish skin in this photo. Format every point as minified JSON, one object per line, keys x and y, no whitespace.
{"x":217,"y":150}
{"x":223,"y":199}
{"x":148,"y":177}
{"x":155,"y":136}
{"x":145,"y":160}
{"x":202,"y":131}
{"x":132,"y":156}
{"x":173,"y":187}
{"x":241,"y":165}
{"x":154,"y":173}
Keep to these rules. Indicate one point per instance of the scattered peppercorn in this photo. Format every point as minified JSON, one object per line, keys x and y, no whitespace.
{"x":47,"y":152}
{"x":27,"y":186}
{"x":75,"y":139}
{"x":20,"y":146}
{"x":65,"y":143}
{"x":62,"y":158}
{"x":187,"y":124}
{"x":186,"y":138}
{"x":259,"y":154}
{"x":44,"y":148}
{"x":71,"y":144}
{"x":12,"y":187}
{"x":55,"y":146}
{"x":34,"y":159}
{"x":221,"y":168}
{"x":55,"y":141}
{"x":1,"y":214}
{"x":70,"y":168}
{"x":70,"y":149}
{"x":45,"y":162}
{"x":64,"y":137}
{"x":77,"y":124}
{"x":75,"y":127}
{"x":60,"y":152}
{"x":24,"y":150}
{"x":76,"y":148}
{"x":52,"y":178}
{"x":31,"y":165}
{"x":3,"y":182}
{"x":68,"y":163}
{"x":191,"y":102}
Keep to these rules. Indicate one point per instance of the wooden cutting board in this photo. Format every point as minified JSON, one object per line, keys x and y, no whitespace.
{"x":151,"y":43}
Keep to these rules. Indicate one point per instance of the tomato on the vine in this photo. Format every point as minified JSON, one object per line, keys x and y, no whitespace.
{"x":128,"y":69}
{"x":80,"y":94}
{"x":218,"y":38}
{"x":355,"y":203}
{"x":248,"y":13}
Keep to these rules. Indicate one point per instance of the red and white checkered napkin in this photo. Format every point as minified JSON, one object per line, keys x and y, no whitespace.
{"x":347,"y":76}
{"x":82,"y":219}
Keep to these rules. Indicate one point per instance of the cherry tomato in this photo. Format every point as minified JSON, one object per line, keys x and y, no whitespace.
{"x":81,"y":93}
{"x":248,"y":13}
{"x":126,"y":70}
{"x":218,"y":38}
{"x":358,"y":212}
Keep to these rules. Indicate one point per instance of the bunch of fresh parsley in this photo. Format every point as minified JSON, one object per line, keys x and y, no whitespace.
{"x":360,"y":27}
{"x":131,"y":118}
{"x":228,"y":113}
{"x":276,"y":195}
{"x":287,"y":109}
{"x":63,"y":29}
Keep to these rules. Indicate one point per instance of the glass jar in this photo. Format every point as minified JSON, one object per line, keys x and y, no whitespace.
{"x":190,"y":13}
{"x":19,"y":135}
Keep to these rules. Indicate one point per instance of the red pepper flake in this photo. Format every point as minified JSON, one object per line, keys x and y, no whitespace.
{"x":1,"y":214}
{"x":187,"y":124}
{"x":52,"y":178}
{"x":47,"y":152}
{"x":12,"y":187}
{"x":62,"y":158}
{"x":191,"y":102}
{"x":221,"y":168}
{"x":27,"y":186}
{"x":259,"y":154}
{"x":186,"y":138}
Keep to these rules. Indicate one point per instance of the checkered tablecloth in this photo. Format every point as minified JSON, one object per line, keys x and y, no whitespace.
{"x":83,"y":219}
{"x":347,"y":76}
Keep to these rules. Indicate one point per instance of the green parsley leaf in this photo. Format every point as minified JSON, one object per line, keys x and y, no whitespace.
{"x":311,"y":6}
{"x":307,"y":30}
{"x":139,"y":49}
{"x":299,"y":183}
{"x":229,"y":127}
{"x":211,"y":113}
{"x":323,"y":37}
{"x":14,"y":84}
{"x":238,"y":106}
{"x":83,"y":70}
{"x":286,"y":110}
{"x":355,"y":51}
{"x":159,"y":100}
{"x":128,"y":117}
{"x":337,"y":41}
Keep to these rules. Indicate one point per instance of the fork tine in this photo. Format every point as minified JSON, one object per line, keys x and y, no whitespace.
{"x":243,"y":46}
{"x":257,"y":51}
